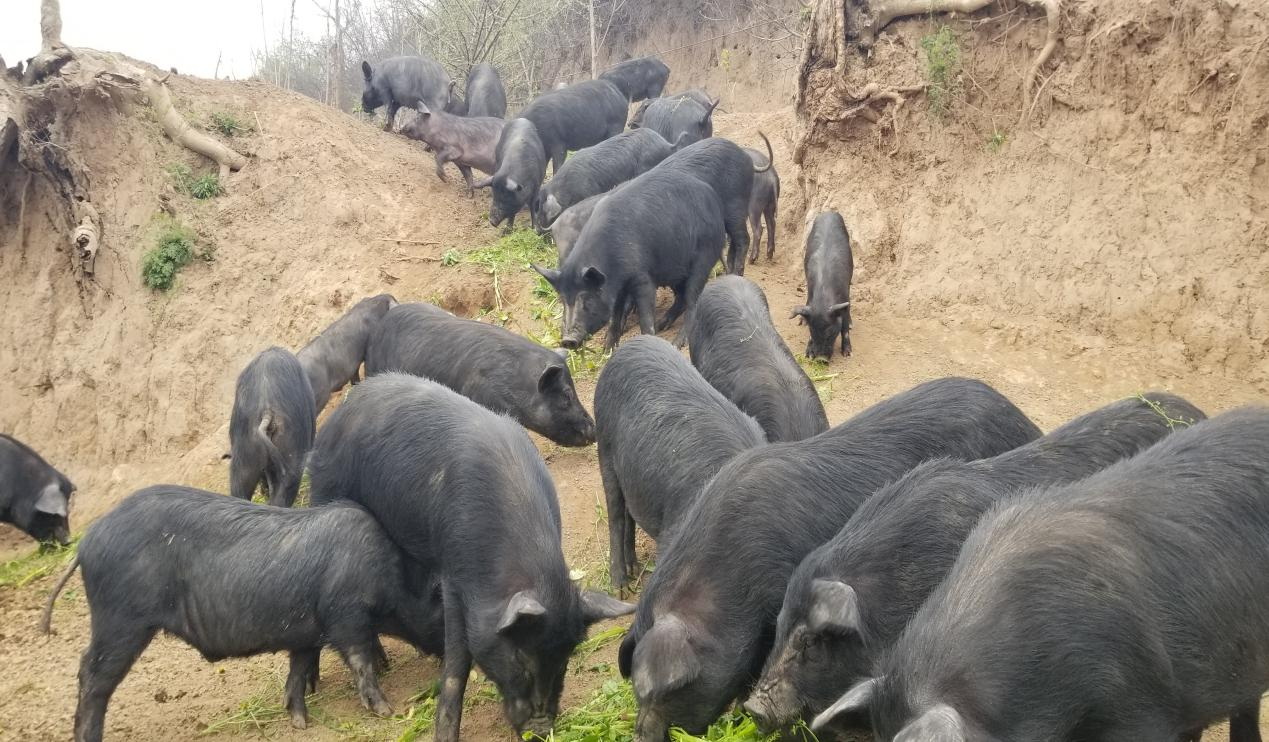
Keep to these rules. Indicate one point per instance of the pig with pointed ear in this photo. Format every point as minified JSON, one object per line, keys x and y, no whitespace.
{"x":521,"y":168}
{"x":34,"y":496}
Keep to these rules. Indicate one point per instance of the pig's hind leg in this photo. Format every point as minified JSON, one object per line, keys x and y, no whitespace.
{"x":303,"y":674}
{"x":115,"y":645}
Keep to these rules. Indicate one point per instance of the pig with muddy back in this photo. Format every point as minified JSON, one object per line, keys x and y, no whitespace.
{"x":663,"y":431}
{"x":34,"y":497}
{"x":850,"y":598}
{"x":333,"y":359}
{"x":234,"y":579}
{"x":1130,"y":605}
{"x":402,"y":82}
{"x":707,"y":615}
{"x":499,"y":369}
{"x":271,"y":427}
{"x":465,"y":494}
{"x":829,"y":266}
{"x":467,"y":141}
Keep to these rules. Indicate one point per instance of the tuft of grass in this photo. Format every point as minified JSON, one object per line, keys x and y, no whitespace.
{"x":996,"y":141}
{"x":200,"y":187}
{"x":173,"y":250}
{"x":512,"y":252}
{"x":228,"y":124}
{"x":817,"y":370}
{"x":943,"y":65}
{"x":258,"y":713}
{"x":420,"y":716}
{"x":46,"y":559}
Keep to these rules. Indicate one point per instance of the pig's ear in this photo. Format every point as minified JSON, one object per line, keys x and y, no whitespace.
{"x":837,"y":309}
{"x":423,"y":109}
{"x":834,"y":608}
{"x":681,"y":142}
{"x":365,"y":70}
{"x":483,"y":183}
{"x":625,"y":654}
{"x":552,"y":377}
{"x":941,"y":723}
{"x":594,"y":277}
{"x":511,"y":185}
{"x":709,"y":112}
{"x":51,"y":501}
{"x":552,"y":275}
{"x":665,"y":659}
{"x":598,"y":606}
{"x":552,"y":207}
{"x":801,"y":313}
{"x":855,"y":700}
{"x":520,"y":610}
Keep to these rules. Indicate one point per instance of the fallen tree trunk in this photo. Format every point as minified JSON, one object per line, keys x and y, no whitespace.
{"x":179,"y":130}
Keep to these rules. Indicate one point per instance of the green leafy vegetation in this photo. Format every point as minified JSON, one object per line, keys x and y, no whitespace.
{"x":420,"y":715}
{"x":228,"y":124}
{"x":943,"y":65}
{"x":513,"y":251}
{"x":47,"y":559}
{"x":996,"y":141}
{"x":173,"y":250}
{"x":817,"y":369}
{"x":200,"y":187}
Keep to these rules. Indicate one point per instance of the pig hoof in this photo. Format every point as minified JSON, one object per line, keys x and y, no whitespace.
{"x":381,"y":708}
{"x":299,"y":720}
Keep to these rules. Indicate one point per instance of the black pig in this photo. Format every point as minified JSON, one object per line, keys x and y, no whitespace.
{"x":34,"y":496}
{"x":334,"y":358}
{"x":404,"y":81}
{"x":495,"y":367}
{"x":599,"y":169}
{"x":1131,"y":605}
{"x":850,"y":598}
{"x":696,"y":94}
{"x":673,"y":118}
{"x":466,"y":495}
{"x":763,"y":202}
{"x":663,"y":431}
{"x":521,"y":166}
{"x":580,"y":115}
{"x":467,"y":141}
{"x":663,"y":228}
{"x":485,"y":94}
{"x":640,"y":78}
{"x":233,"y":579}
{"x":729,"y":172}
{"x":271,"y":428}
{"x":568,"y":226}
{"x":829,"y":267}
{"x":739,"y":351}
{"x":707,"y":615}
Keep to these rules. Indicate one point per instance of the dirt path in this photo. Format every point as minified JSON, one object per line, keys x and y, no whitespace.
{"x":172,"y":693}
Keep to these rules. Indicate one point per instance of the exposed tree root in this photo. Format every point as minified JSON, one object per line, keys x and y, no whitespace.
{"x":179,"y":130}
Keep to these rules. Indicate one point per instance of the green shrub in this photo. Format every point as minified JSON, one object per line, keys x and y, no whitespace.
{"x":943,"y":65}
{"x":200,"y":187}
{"x":174,"y":249}
{"x":226,"y":123}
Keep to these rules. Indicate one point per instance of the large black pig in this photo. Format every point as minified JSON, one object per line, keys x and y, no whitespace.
{"x":466,"y":495}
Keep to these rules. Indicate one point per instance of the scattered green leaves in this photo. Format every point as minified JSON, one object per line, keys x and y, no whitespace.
{"x":173,"y":250}
{"x":513,"y":251}
{"x":943,"y":65}
{"x":45,"y":560}
{"x":420,"y":716}
{"x":817,"y":370}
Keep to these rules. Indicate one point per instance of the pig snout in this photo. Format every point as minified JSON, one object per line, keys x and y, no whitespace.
{"x":571,"y":341}
{"x":758,"y":706}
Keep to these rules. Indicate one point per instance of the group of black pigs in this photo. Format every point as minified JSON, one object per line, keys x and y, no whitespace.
{"x":934,"y":567}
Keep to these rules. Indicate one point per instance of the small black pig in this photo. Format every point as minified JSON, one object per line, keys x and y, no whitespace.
{"x":233,"y":579}
{"x":829,"y":267}
{"x":271,"y":427}
{"x":334,"y":358}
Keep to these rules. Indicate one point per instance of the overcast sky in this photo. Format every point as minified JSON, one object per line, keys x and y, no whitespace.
{"x":185,"y":34}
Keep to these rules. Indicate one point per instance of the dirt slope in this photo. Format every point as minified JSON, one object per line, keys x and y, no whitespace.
{"x":122,"y":387}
